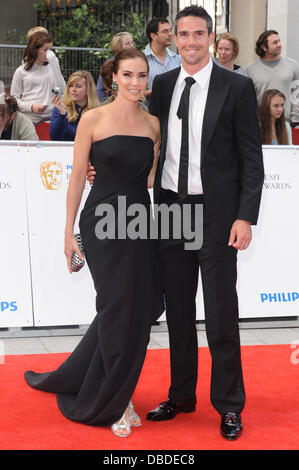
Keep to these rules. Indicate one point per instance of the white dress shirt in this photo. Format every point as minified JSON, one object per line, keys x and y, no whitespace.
{"x":197,"y":103}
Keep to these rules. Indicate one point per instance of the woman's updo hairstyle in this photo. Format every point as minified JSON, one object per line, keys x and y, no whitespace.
{"x":8,"y":106}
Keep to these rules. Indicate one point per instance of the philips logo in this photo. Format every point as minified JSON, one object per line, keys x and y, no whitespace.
{"x":10,"y":306}
{"x":280,"y":297}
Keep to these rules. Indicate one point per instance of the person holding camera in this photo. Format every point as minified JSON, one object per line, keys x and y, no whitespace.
{"x":80,"y":95}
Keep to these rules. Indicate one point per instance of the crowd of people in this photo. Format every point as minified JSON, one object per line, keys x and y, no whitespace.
{"x":32,"y":96}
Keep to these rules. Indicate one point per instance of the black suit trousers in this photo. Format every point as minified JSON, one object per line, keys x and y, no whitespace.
{"x":218,"y":265}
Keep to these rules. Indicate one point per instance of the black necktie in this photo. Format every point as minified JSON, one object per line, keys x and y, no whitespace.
{"x":183,"y":113}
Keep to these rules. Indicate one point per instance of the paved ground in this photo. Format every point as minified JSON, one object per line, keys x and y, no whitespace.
{"x":63,"y":340}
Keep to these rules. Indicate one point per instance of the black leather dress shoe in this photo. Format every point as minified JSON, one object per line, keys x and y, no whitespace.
{"x":169,"y":409}
{"x":231,"y":426}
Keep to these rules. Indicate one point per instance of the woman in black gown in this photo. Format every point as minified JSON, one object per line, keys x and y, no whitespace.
{"x":96,"y":382}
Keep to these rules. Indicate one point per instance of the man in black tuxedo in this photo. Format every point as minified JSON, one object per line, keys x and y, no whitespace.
{"x":217,"y":162}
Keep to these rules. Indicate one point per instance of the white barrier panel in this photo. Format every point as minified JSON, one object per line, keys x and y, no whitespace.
{"x":267,"y":271}
{"x":15,"y":281}
{"x":59,"y":298}
{"x":268,"y":281}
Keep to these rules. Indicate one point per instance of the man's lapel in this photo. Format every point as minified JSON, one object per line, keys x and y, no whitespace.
{"x":217,"y":93}
{"x":167,"y":95}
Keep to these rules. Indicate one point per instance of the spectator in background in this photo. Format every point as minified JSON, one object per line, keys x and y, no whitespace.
{"x":160,"y":58}
{"x":33,"y":81}
{"x":13,"y":124}
{"x":51,"y":58}
{"x":121,"y":40}
{"x":80,"y":95}
{"x":227,"y":50}
{"x":274,"y":128}
{"x":272,"y":71}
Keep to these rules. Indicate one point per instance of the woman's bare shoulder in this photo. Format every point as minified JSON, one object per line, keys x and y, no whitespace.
{"x":94,"y":113}
{"x":154,"y":124}
{"x":92,"y":118}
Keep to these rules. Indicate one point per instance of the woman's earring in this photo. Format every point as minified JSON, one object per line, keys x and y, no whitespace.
{"x":114,"y":86}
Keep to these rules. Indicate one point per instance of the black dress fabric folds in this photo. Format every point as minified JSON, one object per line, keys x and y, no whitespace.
{"x":96,"y":382}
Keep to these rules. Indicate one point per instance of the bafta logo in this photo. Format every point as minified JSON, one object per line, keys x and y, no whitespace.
{"x":51,"y":173}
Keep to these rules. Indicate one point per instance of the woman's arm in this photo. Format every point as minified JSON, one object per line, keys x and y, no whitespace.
{"x":82,"y":146}
{"x":151,"y":176}
{"x":57,"y":125}
{"x":54,"y":64}
{"x":16,"y":90}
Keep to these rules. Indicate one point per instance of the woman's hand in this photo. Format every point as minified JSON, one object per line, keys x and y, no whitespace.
{"x":70,"y":247}
{"x":59,"y":105}
{"x":38,"y":108}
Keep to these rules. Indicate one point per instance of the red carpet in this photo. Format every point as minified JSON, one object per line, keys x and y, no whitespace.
{"x":30,"y":419}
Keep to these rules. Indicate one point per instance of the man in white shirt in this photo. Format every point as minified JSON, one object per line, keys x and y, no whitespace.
{"x":160,"y":58}
{"x":210,"y":154}
{"x":196,"y":111}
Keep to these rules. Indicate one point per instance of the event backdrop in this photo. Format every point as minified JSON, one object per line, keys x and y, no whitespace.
{"x":15,"y":279}
{"x":36,"y":287}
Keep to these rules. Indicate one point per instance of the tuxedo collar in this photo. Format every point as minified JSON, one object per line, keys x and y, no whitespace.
{"x":202,"y":77}
{"x":218,"y":90}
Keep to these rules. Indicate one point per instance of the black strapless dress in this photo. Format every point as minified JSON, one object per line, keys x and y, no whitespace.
{"x":96,"y":382}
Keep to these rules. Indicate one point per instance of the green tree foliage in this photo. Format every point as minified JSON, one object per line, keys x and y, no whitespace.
{"x":89,"y":27}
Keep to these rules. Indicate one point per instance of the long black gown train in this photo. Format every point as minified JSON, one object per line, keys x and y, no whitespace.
{"x":95,"y":383}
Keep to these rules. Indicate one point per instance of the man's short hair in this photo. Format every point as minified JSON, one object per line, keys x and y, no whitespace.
{"x":153,"y":26}
{"x":263,"y":41}
{"x":194,"y":10}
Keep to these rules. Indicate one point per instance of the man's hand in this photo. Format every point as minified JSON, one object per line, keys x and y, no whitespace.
{"x":240,"y":234}
{"x":90,"y":173}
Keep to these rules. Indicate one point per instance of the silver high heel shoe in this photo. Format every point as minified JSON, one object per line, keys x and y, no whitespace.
{"x":133,"y":416}
{"x":122,"y":428}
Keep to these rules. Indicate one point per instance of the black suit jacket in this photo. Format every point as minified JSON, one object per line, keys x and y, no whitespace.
{"x":232,"y":170}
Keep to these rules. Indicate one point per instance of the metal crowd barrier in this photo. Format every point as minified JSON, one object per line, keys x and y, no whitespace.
{"x":70,"y":60}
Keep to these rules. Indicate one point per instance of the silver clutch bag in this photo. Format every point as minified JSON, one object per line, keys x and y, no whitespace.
{"x":76,"y":262}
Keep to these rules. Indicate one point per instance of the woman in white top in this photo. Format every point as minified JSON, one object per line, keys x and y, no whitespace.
{"x":34,"y":80}
{"x":51,"y":58}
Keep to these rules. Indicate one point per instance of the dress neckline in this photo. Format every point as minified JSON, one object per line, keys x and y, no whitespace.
{"x":123,"y":135}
